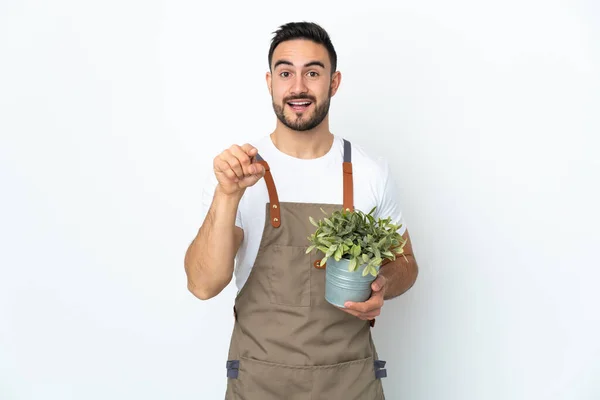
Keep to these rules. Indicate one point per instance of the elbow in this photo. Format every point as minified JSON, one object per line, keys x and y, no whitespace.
{"x":200,"y":293}
{"x":414,"y":273}
{"x":411,"y":274}
{"x":203,"y":283}
{"x":204,"y":291}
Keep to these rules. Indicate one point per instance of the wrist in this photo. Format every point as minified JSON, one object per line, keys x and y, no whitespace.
{"x":228,"y":197}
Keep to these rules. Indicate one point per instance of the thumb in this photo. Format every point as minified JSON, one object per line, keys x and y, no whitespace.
{"x":379,"y":283}
{"x":261,"y":171}
{"x":251,"y":180}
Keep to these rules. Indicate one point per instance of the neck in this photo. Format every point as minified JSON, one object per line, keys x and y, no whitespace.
{"x":309,"y":144}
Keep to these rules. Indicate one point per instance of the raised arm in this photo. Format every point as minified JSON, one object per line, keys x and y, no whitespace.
{"x":209,"y":259}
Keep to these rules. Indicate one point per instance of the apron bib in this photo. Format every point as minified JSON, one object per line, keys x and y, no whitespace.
{"x":288,"y":342}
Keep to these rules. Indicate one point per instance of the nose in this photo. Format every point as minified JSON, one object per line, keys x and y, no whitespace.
{"x":299,"y":86}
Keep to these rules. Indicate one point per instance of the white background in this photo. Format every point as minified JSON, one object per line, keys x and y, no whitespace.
{"x":111,"y":113}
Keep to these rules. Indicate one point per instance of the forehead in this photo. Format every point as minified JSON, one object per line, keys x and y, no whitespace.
{"x":300,"y":52}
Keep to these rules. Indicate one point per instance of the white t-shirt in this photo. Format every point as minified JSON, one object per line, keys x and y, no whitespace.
{"x":317,"y":180}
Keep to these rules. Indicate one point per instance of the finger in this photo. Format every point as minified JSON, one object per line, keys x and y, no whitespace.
{"x":252,"y":153}
{"x":375,"y":302}
{"x":234,"y":164}
{"x":251,"y":180}
{"x":364,"y":316}
{"x":379,"y":283}
{"x":354,"y":313}
{"x":249,"y":149}
{"x":223,"y":167}
{"x":244,"y":160}
{"x":260,"y":170}
{"x":373,"y":314}
{"x":256,"y":166}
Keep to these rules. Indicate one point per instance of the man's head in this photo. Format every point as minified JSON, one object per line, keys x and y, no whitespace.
{"x":302,"y":75}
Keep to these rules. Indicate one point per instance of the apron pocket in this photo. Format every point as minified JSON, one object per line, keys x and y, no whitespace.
{"x":261,"y":380}
{"x":289,"y":275}
{"x":353,"y":380}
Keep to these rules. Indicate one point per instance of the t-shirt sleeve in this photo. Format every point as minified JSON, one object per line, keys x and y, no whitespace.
{"x":208,"y":192}
{"x":388,"y":204}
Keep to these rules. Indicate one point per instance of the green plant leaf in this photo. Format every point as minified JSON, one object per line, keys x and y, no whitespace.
{"x":355,"y":250}
{"x":382,"y":242}
{"x":323,"y":249}
{"x":365,"y":271}
{"x":357,"y":236}
{"x":327,"y":242}
{"x":332,"y":249}
{"x":352,"y":265}
{"x":338,"y":253}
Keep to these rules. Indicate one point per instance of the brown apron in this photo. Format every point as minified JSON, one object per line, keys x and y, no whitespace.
{"x":288,"y":342}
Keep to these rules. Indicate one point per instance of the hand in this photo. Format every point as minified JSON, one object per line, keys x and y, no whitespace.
{"x":236,"y":169}
{"x":371,"y":308}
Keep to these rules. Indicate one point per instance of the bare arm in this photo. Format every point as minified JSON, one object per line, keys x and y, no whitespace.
{"x":400,"y":274}
{"x":209,"y":259}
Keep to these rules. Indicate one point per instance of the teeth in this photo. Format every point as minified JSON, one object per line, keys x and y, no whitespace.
{"x":305,"y":103}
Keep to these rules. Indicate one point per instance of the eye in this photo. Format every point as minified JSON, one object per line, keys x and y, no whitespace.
{"x":284,"y":74}
{"x":313,"y":74}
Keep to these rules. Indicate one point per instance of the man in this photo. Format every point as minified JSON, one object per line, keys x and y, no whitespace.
{"x":287,"y":341}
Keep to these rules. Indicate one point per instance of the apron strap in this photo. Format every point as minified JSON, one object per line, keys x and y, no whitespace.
{"x":274,"y":212}
{"x":348,"y":199}
{"x":348,"y":182}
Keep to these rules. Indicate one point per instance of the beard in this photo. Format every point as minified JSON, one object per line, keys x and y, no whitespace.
{"x":301,"y":122}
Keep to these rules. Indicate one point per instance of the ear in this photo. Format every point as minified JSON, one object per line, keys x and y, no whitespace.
{"x":268,"y":78}
{"x":336,"y":79}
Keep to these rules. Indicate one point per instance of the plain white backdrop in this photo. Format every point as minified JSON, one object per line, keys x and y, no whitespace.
{"x":111,"y":113}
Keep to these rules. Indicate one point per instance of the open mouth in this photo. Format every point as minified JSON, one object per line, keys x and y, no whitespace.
{"x":299,"y":105}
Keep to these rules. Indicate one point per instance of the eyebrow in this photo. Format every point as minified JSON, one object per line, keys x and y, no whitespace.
{"x":308,"y":64}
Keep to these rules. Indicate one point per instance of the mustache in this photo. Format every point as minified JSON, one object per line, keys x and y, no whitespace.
{"x":305,"y":97}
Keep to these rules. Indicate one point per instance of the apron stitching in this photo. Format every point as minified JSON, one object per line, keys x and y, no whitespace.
{"x":311,"y":367}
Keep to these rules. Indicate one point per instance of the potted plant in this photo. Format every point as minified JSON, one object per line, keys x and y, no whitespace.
{"x":355,"y":245}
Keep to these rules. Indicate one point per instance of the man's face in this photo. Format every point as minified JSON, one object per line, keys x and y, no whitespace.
{"x":301,"y":84}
